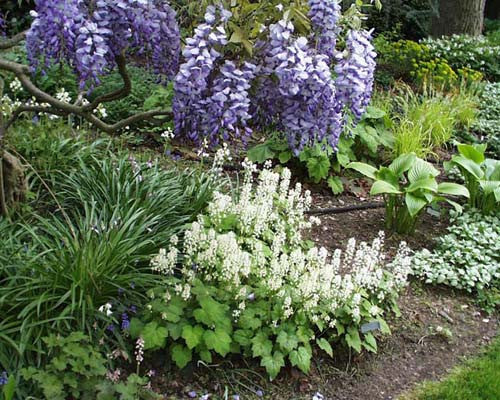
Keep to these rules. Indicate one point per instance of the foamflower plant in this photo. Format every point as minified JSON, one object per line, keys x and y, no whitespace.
{"x":408,"y":186}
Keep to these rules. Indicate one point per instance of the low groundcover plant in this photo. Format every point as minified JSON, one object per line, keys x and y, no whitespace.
{"x":246,"y":282}
{"x":468,"y":257}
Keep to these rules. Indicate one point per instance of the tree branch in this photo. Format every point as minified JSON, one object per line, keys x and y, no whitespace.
{"x":13,"y":41}
{"x":124,"y":91}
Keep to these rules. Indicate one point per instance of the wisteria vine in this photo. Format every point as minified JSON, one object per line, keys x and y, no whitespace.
{"x":287,"y":83}
{"x":89,"y":35}
{"x":355,"y":72}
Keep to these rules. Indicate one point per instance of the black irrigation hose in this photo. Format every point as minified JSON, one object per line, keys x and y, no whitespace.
{"x":341,"y":210}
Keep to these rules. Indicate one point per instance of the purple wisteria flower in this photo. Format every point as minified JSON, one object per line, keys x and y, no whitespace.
{"x":89,"y":35}
{"x":125,"y":322}
{"x":308,"y":110}
{"x":324,"y":15}
{"x":355,"y":72}
{"x":211,"y":101}
{"x":3,"y":26}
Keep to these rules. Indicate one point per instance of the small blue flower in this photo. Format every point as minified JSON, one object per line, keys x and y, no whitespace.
{"x":3,"y":378}
{"x":192,"y":394}
{"x":259,"y":393}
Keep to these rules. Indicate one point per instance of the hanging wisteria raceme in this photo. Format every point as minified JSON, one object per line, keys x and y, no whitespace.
{"x":355,"y":72}
{"x":211,"y":99}
{"x":324,"y":15}
{"x":90,"y":34}
{"x":228,"y":107}
{"x":308,"y":110}
{"x":191,"y":84}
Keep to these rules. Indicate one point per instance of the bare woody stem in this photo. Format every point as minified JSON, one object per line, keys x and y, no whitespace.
{"x":57,"y":107}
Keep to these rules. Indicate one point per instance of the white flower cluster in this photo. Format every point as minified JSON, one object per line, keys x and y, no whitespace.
{"x":468,"y":257}
{"x":253,"y":245}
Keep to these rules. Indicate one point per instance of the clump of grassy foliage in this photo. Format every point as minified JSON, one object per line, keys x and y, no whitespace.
{"x":101,"y":218}
{"x":427,"y":121}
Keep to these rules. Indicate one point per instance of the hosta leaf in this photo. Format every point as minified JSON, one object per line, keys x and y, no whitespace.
{"x":425,"y":184}
{"x":402,"y":164}
{"x":364,"y":169}
{"x":453,"y":189}
{"x":217,"y":340}
{"x":301,"y":358}
{"x":385,"y":174}
{"x":489,"y":186}
{"x":325,"y":346}
{"x":181,"y":355}
{"x":273,"y":364}
{"x":421,"y":170}
{"x":471,"y":153}
{"x":468,"y":165}
{"x":380,"y":187}
{"x":192,"y":335}
{"x":414,"y":203}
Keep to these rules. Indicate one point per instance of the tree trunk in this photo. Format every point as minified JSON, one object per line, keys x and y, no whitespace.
{"x":459,"y":16}
{"x":13,"y":186}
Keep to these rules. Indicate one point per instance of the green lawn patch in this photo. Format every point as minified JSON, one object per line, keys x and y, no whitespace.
{"x":477,"y":379}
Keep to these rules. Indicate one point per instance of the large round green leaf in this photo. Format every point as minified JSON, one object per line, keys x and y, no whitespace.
{"x":453,"y":189}
{"x":429,"y":184}
{"x":421,"y":170}
{"x":470,"y":166}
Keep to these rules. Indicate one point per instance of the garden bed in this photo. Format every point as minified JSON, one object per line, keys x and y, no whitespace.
{"x":418,"y":349}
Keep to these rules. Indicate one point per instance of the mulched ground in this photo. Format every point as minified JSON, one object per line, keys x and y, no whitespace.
{"x":416,"y":351}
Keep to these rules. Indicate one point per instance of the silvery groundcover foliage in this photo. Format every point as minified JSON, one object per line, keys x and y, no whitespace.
{"x":217,"y":99}
{"x":468,"y":257}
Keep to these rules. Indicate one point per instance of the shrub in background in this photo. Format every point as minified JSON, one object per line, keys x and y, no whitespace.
{"x":246,"y":282}
{"x":463,"y":51}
